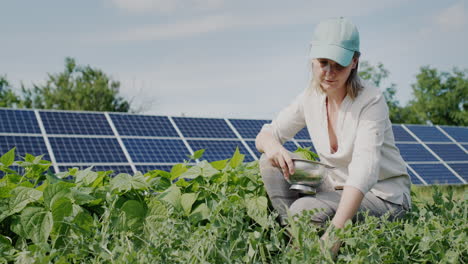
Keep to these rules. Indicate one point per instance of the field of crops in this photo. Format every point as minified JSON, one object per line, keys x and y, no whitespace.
{"x":210,"y":213}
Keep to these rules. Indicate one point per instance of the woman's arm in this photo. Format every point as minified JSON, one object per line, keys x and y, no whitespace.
{"x":351,"y":199}
{"x":272,"y":136}
{"x":275,"y":152}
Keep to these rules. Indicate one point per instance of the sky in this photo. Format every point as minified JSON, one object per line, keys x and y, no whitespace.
{"x":219,"y":58}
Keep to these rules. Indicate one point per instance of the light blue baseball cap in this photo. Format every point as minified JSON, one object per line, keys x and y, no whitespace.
{"x":336,"y":39}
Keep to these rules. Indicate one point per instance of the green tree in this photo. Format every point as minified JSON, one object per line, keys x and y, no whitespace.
{"x":8,"y":97}
{"x":441,"y":97}
{"x":376,"y":75}
{"x":76,"y":88}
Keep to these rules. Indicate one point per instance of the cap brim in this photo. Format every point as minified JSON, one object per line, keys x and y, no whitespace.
{"x":335,"y":53}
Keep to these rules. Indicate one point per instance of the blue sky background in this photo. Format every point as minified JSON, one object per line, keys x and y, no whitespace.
{"x":219,"y":58}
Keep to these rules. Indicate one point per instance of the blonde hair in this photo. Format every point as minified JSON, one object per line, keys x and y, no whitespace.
{"x":353,"y":83}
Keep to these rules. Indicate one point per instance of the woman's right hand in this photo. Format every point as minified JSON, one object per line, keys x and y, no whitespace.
{"x":281,"y":158}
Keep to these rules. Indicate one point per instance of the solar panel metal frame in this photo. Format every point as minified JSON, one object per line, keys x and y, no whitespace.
{"x":446,"y":131}
{"x":246,"y":142}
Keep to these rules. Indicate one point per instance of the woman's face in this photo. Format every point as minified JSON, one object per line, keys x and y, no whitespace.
{"x":331,"y":75}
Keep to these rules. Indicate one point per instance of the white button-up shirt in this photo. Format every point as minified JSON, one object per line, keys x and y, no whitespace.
{"x":367,"y":157}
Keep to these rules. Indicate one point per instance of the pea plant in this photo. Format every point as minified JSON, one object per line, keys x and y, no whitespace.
{"x":212,"y":212}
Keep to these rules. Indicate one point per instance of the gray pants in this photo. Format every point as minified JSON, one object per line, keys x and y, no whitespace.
{"x":326,"y":199}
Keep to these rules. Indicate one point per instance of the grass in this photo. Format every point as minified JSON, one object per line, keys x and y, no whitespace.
{"x":425,"y":193}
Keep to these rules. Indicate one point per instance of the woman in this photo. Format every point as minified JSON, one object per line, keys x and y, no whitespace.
{"x":348,"y":121}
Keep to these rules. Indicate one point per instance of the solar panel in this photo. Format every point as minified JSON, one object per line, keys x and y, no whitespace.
{"x":449,"y":152}
{"x":33,"y":145}
{"x":18,"y":121}
{"x":428,"y":133}
{"x":460,"y":134}
{"x":204,"y":127}
{"x":156,"y":150}
{"x":415,"y":152}
{"x":163,"y":147}
{"x":401,"y":134}
{"x":414,"y":179}
{"x":141,"y":125}
{"x":251,"y":144}
{"x":67,"y":123}
{"x":248,"y":129}
{"x":303,"y":134}
{"x":115,"y":168}
{"x":145,"y":168}
{"x":289,"y":145}
{"x":85,"y":150}
{"x":435,"y":174}
{"x":219,"y":149}
{"x":461,"y":169}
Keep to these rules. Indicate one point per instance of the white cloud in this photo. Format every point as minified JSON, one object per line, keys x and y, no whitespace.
{"x":164,"y":6}
{"x":192,"y":27}
{"x":452,"y":18}
{"x":186,"y":21}
{"x":175,"y":30}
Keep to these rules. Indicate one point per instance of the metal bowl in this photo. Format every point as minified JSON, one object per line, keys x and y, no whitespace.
{"x":308,"y":175}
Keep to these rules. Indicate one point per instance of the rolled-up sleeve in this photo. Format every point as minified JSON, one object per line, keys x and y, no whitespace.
{"x":288,"y":122}
{"x":366,"y":156}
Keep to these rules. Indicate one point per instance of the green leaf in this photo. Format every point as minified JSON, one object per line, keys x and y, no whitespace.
{"x":86,"y":176}
{"x":55,"y":191}
{"x":82,"y":195}
{"x":177,"y":170}
{"x":172,"y":196}
{"x":84,"y":221}
{"x":160,"y":184}
{"x":257,"y":209}
{"x":62,"y":174}
{"x":38,"y":159}
{"x":5,"y":191}
{"x":203,"y":168}
{"x":219,"y":164}
{"x":181,"y":182}
{"x":134,"y":213}
{"x":158,"y":174}
{"x":206,"y":169}
{"x":157,"y":209}
{"x":192,"y":173}
{"x":99,"y":180}
{"x":200,"y":213}
{"x":37,"y":223}
{"x":8,"y":158}
{"x":125,"y":182}
{"x":29,"y":158}
{"x":42,"y":186}
{"x":5,"y":243}
{"x":198,"y":154}
{"x":237,"y":158}
{"x":187,"y":201}
{"x":61,"y":208}
{"x":52,"y":178}
{"x":306,"y":153}
{"x":22,"y":196}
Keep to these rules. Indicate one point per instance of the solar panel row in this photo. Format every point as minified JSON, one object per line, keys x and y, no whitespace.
{"x":436,"y":154}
